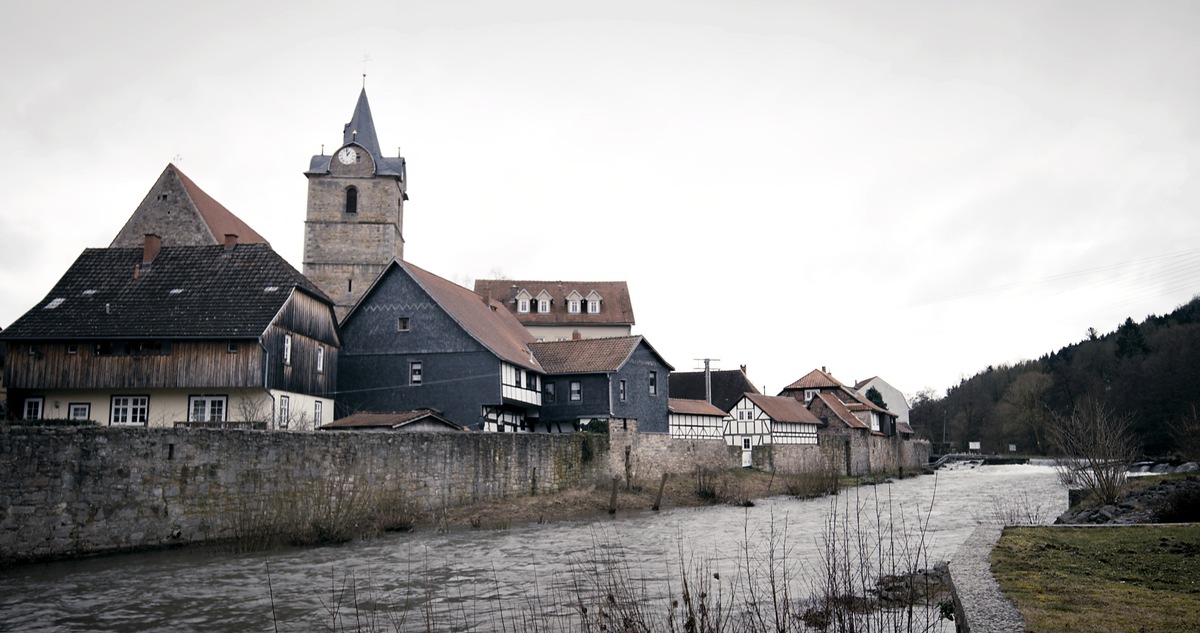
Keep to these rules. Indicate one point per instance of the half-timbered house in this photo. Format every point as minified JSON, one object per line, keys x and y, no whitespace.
{"x":723,"y":388}
{"x":695,"y":419}
{"x":159,"y":336}
{"x":758,"y":420}
{"x":840,"y":399}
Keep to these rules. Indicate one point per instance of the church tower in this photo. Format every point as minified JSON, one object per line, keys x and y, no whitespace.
{"x":355,"y":221}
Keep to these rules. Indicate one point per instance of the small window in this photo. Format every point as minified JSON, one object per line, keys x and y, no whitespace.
{"x":33,"y":408}
{"x":517,"y":379}
{"x":593,"y":306}
{"x":544,"y":306}
{"x":351,"y":200}
{"x":621,"y":391}
{"x":402,"y":324}
{"x":745,"y":443}
{"x":318,"y":410}
{"x":72,"y":349}
{"x":654,"y":383}
{"x":285,"y":413}
{"x":531,"y":381}
{"x":548,"y":393}
{"x":320,"y":359}
{"x":573,"y":306}
{"x":232,"y":348}
{"x":79,"y":411}
{"x":576,"y":391}
{"x":523,"y":306}
{"x":415,"y":373}
{"x":287,"y":349}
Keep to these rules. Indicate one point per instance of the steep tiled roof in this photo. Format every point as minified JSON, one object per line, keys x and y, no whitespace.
{"x":727,"y":386}
{"x":486,"y":321}
{"x":863,"y":383}
{"x":615,"y":305}
{"x":588,"y":356}
{"x":187,"y":292}
{"x":839,"y":409}
{"x":684,"y":406}
{"x":815,"y":379}
{"x":390,"y":420}
{"x":783,"y":409}
{"x":180,"y":214}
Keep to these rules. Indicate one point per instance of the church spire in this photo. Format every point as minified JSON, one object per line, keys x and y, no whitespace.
{"x":361,"y":128}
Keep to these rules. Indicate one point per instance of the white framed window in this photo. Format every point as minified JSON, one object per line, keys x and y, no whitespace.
{"x":576,"y":391}
{"x":79,"y":411}
{"x":621,"y":390}
{"x":654,"y":383}
{"x":416,"y":373}
{"x":544,"y":306}
{"x":573,"y":306}
{"x":809,"y":394}
{"x":318,"y":411}
{"x":33,"y":408}
{"x":285,"y":413}
{"x":129,"y":411}
{"x":320,"y":359}
{"x":593,"y":306}
{"x":287,"y":349}
{"x":207,"y":408}
{"x":523,"y":306}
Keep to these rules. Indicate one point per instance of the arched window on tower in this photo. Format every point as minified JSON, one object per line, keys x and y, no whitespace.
{"x":351,"y":200}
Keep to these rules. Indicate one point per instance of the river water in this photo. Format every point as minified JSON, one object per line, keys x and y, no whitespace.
{"x":485,"y":579}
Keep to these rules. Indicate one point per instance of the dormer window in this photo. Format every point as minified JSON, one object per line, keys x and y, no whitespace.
{"x":593,"y":302}
{"x":523,"y":302}
{"x":574,"y":302}
{"x":351,"y":200}
{"x":543,"y":302}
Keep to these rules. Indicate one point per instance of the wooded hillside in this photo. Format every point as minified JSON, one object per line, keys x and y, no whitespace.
{"x":1149,"y":371}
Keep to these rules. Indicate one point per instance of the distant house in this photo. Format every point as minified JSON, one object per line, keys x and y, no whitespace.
{"x":160,"y":336}
{"x":182,"y":214}
{"x":419,"y":421}
{"x":695,"y":419}
{"x":415,"y":340}
{"x":893,"y":398}
{"x":602,"y":378}
{"x":842,"y":408}
{"x":562,"y":310}
{"x":725,"y":387}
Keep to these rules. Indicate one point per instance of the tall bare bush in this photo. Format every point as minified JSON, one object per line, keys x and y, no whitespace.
{"x":1095,"y":447}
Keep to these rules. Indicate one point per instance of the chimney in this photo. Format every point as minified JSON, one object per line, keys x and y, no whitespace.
{"x":575,"y":335}
{"x":823,"y":370}
{"x":743,"y":370}
{"x":707,"y":381}
{"x":230,"y":241}
{"x":150,"y":249}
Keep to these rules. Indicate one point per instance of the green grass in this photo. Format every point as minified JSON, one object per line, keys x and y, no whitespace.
{"x":1137,"y":579}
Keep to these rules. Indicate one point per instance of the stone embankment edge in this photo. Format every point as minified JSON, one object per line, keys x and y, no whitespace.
{"x":979,"y":605}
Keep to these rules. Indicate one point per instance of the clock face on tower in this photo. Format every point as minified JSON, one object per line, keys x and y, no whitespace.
{"x":347,"y":155}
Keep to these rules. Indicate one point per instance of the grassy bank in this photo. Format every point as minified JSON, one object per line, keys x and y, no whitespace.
{"x":1137,"y":579}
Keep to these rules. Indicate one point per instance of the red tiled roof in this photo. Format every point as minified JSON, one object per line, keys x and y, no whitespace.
{"x":589,"y":355}
{"x":615,"y":306}
{"x":838,"y":409}
{"x":684,"y":406}
{"x":783,"y":408}
{"x":220,"y":221}
{"x":486,"y":321}
{"x":815,"y":379}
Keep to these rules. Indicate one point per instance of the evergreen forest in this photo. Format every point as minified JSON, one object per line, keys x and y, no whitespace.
{"x":1148,"y":371}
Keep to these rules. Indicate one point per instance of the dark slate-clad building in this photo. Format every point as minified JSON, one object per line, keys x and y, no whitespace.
{"x":622,"y":377}
{"x":416,"y":340}
{"x":725,"y":386}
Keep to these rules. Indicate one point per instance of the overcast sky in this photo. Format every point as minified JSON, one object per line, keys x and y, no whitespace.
{"x":909,"y":190}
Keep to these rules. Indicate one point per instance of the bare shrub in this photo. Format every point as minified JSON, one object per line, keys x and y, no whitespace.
{"x":1095,"y":447}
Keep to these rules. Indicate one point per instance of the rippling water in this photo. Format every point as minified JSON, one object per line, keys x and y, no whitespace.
{"x":484,"y":576}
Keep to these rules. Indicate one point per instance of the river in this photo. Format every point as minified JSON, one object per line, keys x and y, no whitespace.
{"x":486,"y":579}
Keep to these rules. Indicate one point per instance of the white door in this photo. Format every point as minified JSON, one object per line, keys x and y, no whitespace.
{"x":747,"y":453}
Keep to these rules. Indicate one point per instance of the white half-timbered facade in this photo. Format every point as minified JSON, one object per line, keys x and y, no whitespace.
{"x":771,"y":420}
{"x":695,"y":420}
